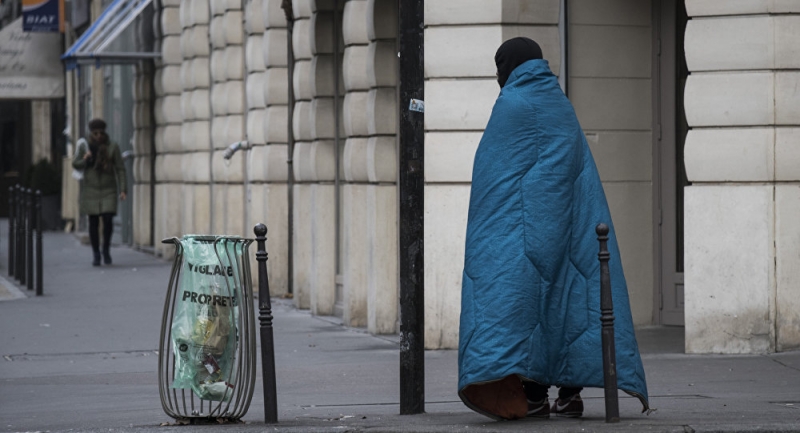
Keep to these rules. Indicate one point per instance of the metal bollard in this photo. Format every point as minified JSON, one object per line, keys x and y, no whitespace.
{"x":607,"y":317}
{"x":19,"y":243}
{"x":265,"y":319}
{"x":23,"y":236}
{"x":38,"y":220}
{"x":12,"y":234}
{"x":29,"y":248}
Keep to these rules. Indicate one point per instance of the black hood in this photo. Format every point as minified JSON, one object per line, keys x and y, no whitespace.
{"x":513,"y":53}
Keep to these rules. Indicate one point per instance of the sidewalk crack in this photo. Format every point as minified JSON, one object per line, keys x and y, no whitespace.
{"x":785,"y":365}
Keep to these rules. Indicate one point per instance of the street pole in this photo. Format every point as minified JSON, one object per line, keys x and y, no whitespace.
{"x":412,"y":206}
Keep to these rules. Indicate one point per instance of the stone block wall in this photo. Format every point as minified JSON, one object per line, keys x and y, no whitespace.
{"x":168,"y":117}
{"x":742,"y":102}
{"x":143,"y":93}
{"x":321,"y":129}
{"x":315,"y":160}
{"x":228,"y":115}
{"x":267,"y":115}
{"x":367,"y":270}
{"x":369,"y":166}
{"x":195,"y":145}
{"x":303,"y":172}
{"x":199,"y":111}
{"x":223,"y":78}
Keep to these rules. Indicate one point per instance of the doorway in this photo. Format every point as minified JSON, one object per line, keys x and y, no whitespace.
{"x":669,"y":136}
{"x":15,"y":147}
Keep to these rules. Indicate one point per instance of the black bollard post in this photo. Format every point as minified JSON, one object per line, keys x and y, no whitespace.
{"x":265,"y":319}
{"x":607,"y":318}
{"x":19,"y":254}
{"x":12,"y":234}
{"x":29,"y":240}
{"x":38,"y":220}
{"x":23,"y":238}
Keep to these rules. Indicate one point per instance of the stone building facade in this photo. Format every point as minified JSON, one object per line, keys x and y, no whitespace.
{"x":710,"y":246}
{"x":743,"y":157}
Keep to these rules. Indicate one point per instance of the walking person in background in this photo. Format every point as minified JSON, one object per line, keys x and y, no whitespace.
{"x":530,"y":299}
{"x":103,"y":180}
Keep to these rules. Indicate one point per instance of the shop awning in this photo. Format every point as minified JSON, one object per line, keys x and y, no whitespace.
{"x":90,"y":47}
{"x":29,"y":66}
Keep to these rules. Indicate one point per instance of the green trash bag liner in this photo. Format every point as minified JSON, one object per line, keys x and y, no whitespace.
{"x":204,"y":324}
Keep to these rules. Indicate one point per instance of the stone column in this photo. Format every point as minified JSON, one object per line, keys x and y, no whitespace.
{"x":142,"y":139}
{"x":303,"y":171}
{"x":369,"y":197}
{"x":321,"y":159}
{"x":380,"y":157}
{"x":228,"y":110}
{"x":267,"y":98}
{"x":142,"y":135}
{"x":742,"y":156}
{"x":168,"y":218}
{"x":41,"y":130}
{"x":355,"y":250}
{"x":196,"y":109}
{"x":314,"y":166}
{"x":461,"y":39}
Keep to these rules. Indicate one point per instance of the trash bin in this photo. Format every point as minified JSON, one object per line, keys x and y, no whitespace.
{"x":207,"y":353}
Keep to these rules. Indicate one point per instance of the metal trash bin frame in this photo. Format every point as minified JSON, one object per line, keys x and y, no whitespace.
{"x":175,"y":402}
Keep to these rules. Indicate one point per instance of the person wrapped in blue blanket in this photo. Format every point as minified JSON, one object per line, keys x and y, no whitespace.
{"x":530,"y":302}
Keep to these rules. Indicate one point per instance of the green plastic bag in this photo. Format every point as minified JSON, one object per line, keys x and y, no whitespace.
{"x":204,"y":324}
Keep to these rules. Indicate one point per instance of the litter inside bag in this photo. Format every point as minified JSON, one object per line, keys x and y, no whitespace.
{"x":204,"y":324}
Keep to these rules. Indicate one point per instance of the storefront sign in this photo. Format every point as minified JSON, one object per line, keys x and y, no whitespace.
{"x":30,"y":66}
{"x":43,"y":15}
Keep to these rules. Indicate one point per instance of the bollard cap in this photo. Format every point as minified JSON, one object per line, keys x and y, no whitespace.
{"x":602,"y":229}
{"x":260,"y":230}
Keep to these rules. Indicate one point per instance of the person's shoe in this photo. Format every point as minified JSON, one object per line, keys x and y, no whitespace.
{"x":96,"y":260}
{"x":538,"y":409}
{"x":569,"y":408}
{"x":106,"y":258}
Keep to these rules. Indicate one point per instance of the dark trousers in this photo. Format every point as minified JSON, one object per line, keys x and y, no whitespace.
{"x":108,"y":229}
{"x":537,"y":392}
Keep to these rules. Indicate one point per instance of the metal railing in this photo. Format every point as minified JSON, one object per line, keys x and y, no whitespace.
{"x":25,"y":248}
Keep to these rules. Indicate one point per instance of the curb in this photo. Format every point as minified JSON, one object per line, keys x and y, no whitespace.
{"x":9,"y":291}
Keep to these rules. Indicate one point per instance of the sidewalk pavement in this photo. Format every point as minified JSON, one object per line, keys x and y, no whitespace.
{"x":83,"y":358}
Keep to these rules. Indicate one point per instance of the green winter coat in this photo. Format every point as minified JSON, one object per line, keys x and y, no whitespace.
{"x":100,"y":190}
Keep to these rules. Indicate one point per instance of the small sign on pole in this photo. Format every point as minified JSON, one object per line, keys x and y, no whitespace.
{"x":411,"y":183}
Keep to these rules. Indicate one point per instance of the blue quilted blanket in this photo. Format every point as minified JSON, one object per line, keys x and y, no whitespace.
{"x":530,"y":301}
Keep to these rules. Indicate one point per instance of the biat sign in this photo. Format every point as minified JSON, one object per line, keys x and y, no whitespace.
{"x":43,"y":15}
